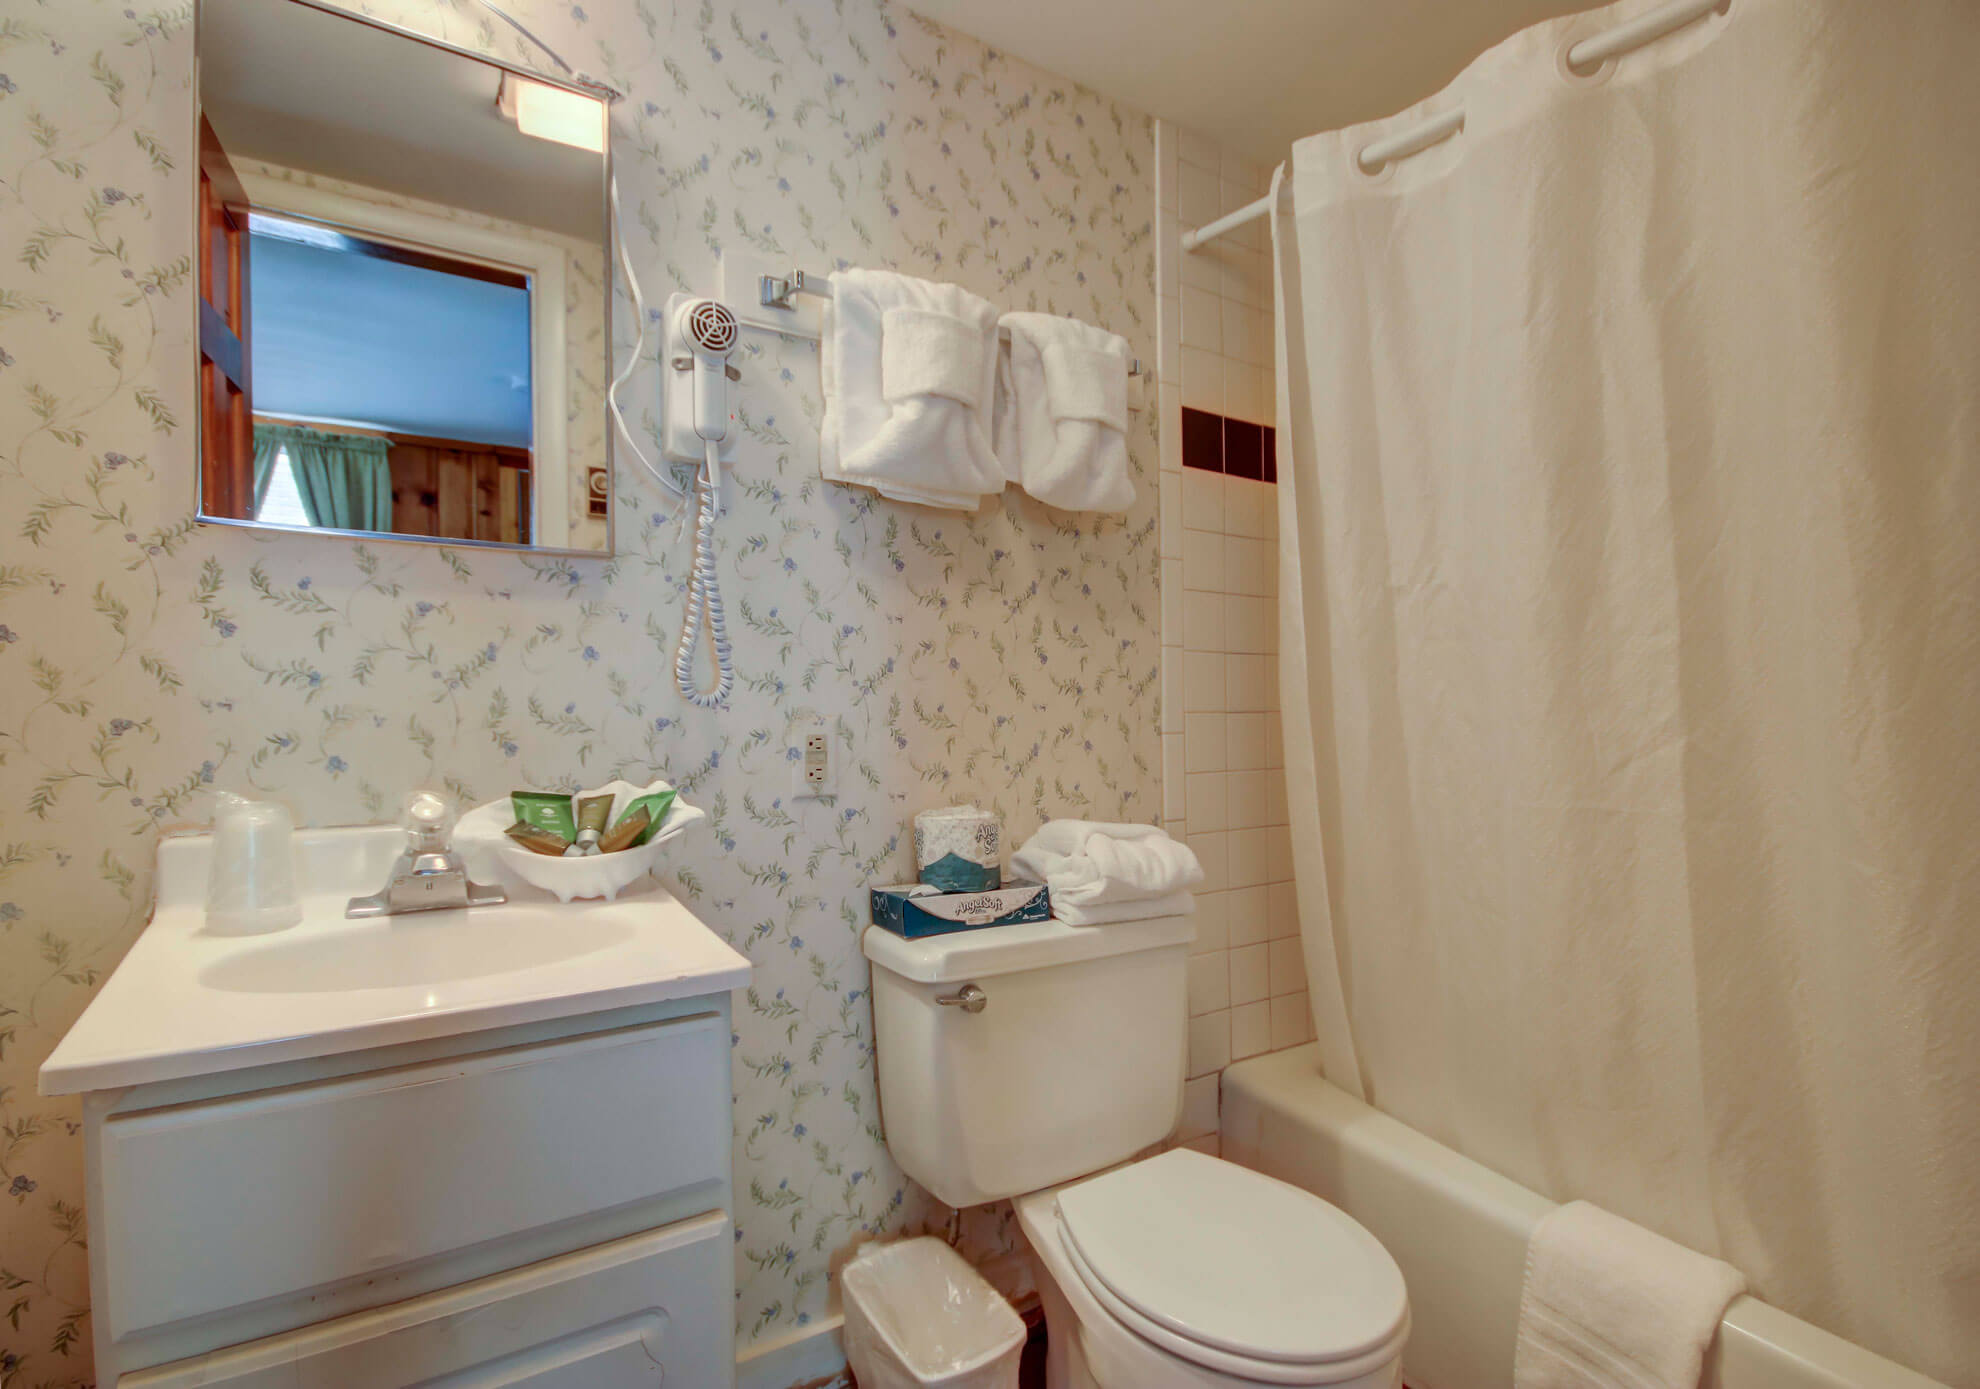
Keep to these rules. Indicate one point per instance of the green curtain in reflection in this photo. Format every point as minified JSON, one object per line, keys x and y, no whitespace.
{"x":266,"y":449}
{"x":345,"y":479}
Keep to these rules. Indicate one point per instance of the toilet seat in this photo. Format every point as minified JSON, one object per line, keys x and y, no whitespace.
{"x":1234,"y":1271}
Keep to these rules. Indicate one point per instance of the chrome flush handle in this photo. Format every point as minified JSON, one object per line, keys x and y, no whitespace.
{"x":969,"y":998}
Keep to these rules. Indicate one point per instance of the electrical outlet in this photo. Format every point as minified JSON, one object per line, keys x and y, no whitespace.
{"x":813,"y":763}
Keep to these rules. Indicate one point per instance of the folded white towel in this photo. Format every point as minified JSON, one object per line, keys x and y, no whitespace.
{"x":1106,"y":914}
{"x":1609,"y":1305}
{"x":1090,"y":862}
{"x":909,"y":368}
{"x":1061,"y":416}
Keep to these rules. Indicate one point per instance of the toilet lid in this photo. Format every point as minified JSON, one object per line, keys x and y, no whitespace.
{"x":1221,"y":1257}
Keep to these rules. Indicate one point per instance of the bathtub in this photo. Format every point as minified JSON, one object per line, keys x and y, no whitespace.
{"x":1459,"y":1231}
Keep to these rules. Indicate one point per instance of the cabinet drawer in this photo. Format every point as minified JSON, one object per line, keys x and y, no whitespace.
{"x":637,"y":1313}
{"x":224,"y":1204}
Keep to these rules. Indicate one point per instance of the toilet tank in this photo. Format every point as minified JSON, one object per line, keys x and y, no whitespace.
{"x":1075,"y":1061}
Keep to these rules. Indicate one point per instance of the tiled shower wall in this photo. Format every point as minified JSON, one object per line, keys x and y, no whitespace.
{"x":1223,"y":760}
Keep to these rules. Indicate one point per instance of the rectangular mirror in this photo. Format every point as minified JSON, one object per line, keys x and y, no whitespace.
{"x":405,"y":293}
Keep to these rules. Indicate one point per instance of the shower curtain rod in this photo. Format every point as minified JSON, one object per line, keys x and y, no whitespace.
{"x":1583,"y":59}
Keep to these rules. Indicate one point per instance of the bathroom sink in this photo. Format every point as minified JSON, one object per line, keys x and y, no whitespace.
{"x":189,"y":1001}
{"x":423,"y":948}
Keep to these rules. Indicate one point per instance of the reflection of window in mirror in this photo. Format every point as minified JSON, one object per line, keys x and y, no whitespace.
{"x":413,"y":241}
{"x":383,"y":358}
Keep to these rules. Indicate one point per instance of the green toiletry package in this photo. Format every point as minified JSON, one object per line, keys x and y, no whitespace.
{"x":656,"y":805}
{"x":546,"y":810}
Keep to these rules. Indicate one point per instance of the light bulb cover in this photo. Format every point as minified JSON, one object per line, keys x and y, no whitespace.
{"x":553,"y":113}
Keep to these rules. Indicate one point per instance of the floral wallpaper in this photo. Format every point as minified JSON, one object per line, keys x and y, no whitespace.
{"x":1008,"y":657}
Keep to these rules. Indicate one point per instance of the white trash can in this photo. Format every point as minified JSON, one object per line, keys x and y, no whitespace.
{"x":917,"y":1314}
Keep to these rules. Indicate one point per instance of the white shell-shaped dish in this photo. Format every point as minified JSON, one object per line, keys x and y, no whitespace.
{"x":490,"y":853}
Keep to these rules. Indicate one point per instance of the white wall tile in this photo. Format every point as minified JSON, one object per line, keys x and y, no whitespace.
{"x":1250,"y":566}
{"x":1204,"y":736}
{"x":1202,"y":320}
{"x":1287,"y":968}
{"x":1247,"y":865}
{"x":1245,"y":335}
{"x":1251,"y":1030}
{"x":1282,"y":911}
{"x":1172,"y":599}
{"x":1209,"y":982}
{"x":1172,"y":427}
{"x":1247,"y":276}
{"x":1212,"y":921}
{"x":1247,"y":504}
{"x":1244,"y":739}
{"x":1243,"y":391}
{"x":1208,"y":810}
{"x":1196,"y":148}
{"x":1249,"y":910}
{"x":1203,"y":681}
{"x":1278,"y":854}
{"x":1250,"y":973}
{"x":1252,"y":176}
{"x":1203,"y":563}
{"x":1204,"y":619}
{"x":1208,"y":1144}
{"x":1203,"y":269}
{"x":1250,"y":801}
{"x":1252,"y":624}
{"x":1292,"y":1024}
{"x":1249,"y":678}
{"x":1214,"y":853}
{"x":1200,"y":196}
{"x":1275,"y":741}
{"x":1202,"y":499}
{"x":1209,"y":1043}
{"x":1203,"y":380}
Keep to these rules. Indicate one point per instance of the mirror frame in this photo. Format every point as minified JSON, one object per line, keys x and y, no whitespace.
{"x":577,"y":467}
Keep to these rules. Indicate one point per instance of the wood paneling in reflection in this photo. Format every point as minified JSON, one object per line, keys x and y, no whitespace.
{"x":226,"y":434}
{"x":453,"y":490}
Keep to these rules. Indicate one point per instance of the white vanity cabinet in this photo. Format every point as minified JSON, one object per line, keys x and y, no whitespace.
{"x":488,"y":1148}
{"x":528,"y":1206}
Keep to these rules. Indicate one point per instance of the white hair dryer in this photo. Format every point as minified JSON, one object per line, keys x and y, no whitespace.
{"x":695,"y":419}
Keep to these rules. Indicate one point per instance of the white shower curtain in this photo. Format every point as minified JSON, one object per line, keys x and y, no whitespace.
{"x":1630,"y":445}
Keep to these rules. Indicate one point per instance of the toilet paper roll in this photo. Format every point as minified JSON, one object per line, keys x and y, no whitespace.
{"x":959,"y":849}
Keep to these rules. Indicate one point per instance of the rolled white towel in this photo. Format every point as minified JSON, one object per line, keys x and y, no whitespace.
{"x":1089,"y":862}
{"x":1610,"y":1305}
{"x":1107,"y":913}
{"x":1061,"y":415}
{"x":909,"y":369}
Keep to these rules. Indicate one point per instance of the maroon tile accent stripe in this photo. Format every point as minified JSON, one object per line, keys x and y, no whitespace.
{"x":1237,"y":447}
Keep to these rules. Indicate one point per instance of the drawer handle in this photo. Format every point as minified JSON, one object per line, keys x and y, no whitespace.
{"x":969,"y":998}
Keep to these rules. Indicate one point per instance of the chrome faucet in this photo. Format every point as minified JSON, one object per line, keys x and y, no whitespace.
{"x":429,"y":875}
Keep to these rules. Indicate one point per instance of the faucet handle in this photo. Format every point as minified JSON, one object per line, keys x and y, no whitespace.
{"x":427,"y":821}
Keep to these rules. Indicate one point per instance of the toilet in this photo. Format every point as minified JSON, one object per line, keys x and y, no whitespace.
{"x":1033,"y":1062}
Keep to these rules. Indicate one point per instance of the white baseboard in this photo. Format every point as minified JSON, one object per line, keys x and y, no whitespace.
{"x":802,"y":1356}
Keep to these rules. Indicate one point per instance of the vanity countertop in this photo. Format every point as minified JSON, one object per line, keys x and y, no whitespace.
{"x":187,"y":1002}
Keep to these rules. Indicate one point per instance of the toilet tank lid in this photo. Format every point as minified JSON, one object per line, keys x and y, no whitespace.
{"x":993,"y":950}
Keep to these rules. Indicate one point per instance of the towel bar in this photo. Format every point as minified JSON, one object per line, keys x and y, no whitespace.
{"x":781,"y":291}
